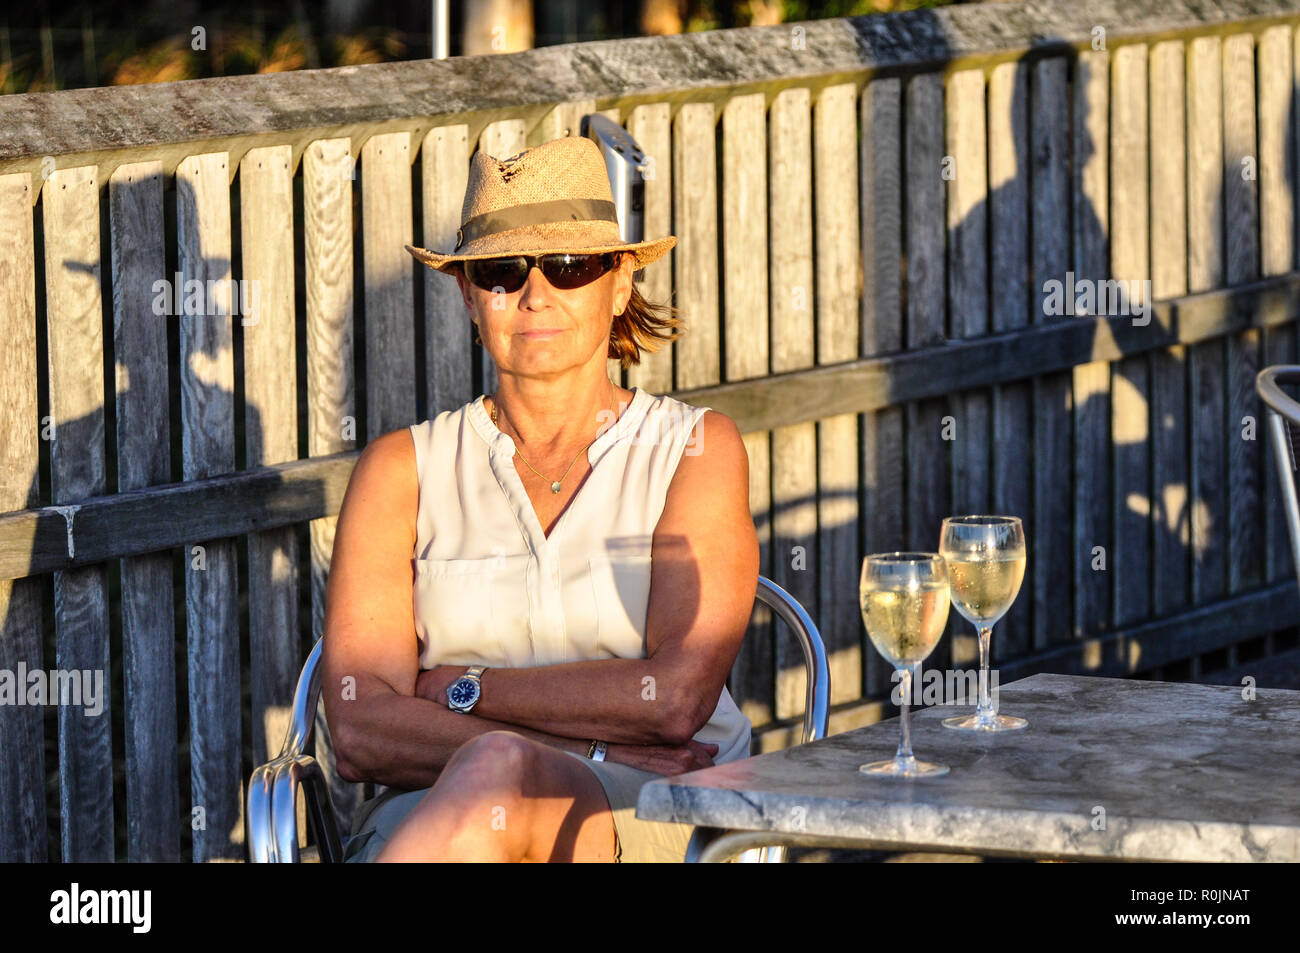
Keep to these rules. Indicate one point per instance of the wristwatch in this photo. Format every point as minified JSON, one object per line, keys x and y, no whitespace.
{"x":597,"y":751}
{"x":464,"y":693}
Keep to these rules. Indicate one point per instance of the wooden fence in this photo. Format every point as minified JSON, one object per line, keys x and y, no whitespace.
{"x":871,"y":213}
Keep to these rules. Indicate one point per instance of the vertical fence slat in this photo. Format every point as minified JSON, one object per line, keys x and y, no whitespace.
{"x":1130,"y":432}
{"x":208,"y":444}
{"x":22,"y":733}
{"x":1241,"y":227}
{"x":968,"y":238}
{"x":1168,"y":243}
{"x":927,"y":450}
{"x":794,"y":448}
{"x":389,"y":277}
{"x":839,"y":286}
{"x":882,"y":327}
{"x":74,"y":314}
{"x":695,"y":206}
{"x":1205,"y":271}
{"x":500,"y":140}
{"x":745,"y":318}
{"x":331,"y":393}
{"x":1049,"y":563}
{"x":1277,"y":184}
{"x":968,"y":245}
{"x":1008,"y":109}
{"x":444,"y":167}
{"x":270,"y":433}
{"x":1091,"y":382}
{"x":139,"y":258}
{"x":651,"y":127}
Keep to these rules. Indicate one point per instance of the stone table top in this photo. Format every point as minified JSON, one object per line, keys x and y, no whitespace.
{"x":1108,"y":768}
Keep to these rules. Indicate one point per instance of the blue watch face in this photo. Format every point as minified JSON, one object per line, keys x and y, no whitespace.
{"x":462,"y":691}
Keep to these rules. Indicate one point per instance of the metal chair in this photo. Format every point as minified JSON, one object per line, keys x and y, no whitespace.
{"x":273,"y":790}
{"x":1284,"y":428}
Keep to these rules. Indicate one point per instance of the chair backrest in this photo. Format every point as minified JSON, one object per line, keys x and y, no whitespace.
{"x":1283,"y":429}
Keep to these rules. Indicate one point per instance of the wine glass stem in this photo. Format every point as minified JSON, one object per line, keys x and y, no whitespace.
{"x":905,"y":743}
{"x":985,"y":709}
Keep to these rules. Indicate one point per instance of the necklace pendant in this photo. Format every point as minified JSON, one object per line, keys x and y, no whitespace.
{"x":555,"y":487}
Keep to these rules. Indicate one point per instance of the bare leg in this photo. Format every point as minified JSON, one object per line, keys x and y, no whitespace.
{"x":504,"y":797}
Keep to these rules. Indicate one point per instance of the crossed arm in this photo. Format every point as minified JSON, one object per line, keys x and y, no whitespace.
{"x":394,"y":727}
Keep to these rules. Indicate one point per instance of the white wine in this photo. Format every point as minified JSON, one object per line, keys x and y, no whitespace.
{"x":983,"y":589}
{"x":906,"y":622}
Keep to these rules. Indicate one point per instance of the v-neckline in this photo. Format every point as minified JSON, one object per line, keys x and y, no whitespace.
{"x":502,"y":450}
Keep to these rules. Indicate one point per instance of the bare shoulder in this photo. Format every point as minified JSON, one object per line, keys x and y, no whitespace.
{"x":714,"y":464}
{"x":384,"y":483}
{"x":715,"y":446}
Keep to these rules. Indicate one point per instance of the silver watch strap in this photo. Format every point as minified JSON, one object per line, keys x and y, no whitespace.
{"x":599,"y":753}
{"x":475,"y":672}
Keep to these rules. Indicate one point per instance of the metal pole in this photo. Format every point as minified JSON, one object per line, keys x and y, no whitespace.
{"x":440,"y":29}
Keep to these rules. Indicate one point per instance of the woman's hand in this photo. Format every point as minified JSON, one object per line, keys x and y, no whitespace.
{"x":432,"y":683}
{"x":663,"y":759}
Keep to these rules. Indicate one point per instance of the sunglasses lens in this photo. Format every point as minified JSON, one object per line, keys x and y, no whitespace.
{"x":574,"y":271}
{"x":508,"y":274}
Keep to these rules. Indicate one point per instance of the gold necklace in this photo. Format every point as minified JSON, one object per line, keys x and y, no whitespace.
{"x":555,"y":484}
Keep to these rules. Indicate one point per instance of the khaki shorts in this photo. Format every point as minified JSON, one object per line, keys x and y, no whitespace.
{"x":637,"y":841}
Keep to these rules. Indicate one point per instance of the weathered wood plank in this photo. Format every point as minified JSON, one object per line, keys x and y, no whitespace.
{"x":745,"y":318}
{"x":22,"y":733}
{"x":1013,"y":421}
{"x":389,"y":281}
{"x":413,"y":96}
{"x":883,"y":474}
{"x":1090,"y":387}
{"x":929,"y":423}
{"x":1241,"y":228}
{"x":448,"y":354}
{"x":74,"y":315}
{"x":208,"y":448}
{"x":794,"y":449}
{"x":139,"y":259}
{"x":651,"y":127}
{"x":1130,"y":425}
{"x":839,"y":288}
{"x":695,"y":190}
{"x":968,"y":244}
{"x":500,"y":140}
{"x":1208,"y":468}
{"x":331,"y":390}
{"x":1169,"y":411}
{"x":1051,"y":553}
{"x":271,"y":436}
{"x":1277,"y":183}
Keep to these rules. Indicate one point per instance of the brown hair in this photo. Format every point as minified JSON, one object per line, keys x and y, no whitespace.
{"x":642,"y":327}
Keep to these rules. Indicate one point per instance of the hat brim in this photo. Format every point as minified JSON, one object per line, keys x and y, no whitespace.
{"x":644,"y":252}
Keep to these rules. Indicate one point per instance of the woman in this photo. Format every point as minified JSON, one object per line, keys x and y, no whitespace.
{"x":535,"y":600}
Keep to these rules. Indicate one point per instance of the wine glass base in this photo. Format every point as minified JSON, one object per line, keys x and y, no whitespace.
{"x":976,"y":723}
{"x":904,"y":769}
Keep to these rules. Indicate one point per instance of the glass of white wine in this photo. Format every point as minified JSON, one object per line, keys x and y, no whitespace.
{"x":986,"y":565}
{"x":904,"y":600}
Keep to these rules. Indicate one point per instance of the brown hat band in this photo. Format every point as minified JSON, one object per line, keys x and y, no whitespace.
{"x":536,"y":213}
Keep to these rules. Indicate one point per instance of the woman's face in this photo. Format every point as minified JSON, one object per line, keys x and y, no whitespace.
{"x":542,"y":331}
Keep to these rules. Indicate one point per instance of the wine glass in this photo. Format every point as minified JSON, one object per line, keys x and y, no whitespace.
{"x":986,"y":565}
{"x":904,"y":600}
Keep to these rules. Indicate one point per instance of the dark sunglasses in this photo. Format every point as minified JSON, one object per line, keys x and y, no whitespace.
{"x":561,"y":270}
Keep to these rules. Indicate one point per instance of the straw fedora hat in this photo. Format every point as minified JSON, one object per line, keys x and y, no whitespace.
{"x":552,"y":198}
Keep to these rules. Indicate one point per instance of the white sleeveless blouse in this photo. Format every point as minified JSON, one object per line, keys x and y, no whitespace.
{"x":492,"y":589}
